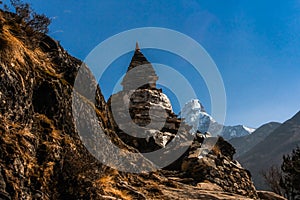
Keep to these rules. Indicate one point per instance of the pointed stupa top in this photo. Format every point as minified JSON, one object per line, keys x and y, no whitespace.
{"x":143,"y":71}
{"x":138,"y":58}
{"x":137,"y":48}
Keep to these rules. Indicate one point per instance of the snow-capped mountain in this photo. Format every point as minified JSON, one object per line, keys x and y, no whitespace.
{"x":195,"y":115}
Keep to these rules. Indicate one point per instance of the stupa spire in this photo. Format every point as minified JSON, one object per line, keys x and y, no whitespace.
{"x":137,"y":48}
{"x":144,"y":72}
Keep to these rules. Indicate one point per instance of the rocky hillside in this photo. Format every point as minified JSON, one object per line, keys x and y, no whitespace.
{"x":270,"y":151}
{"x":42,"y":155}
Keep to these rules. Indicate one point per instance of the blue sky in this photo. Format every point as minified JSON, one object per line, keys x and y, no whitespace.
{"x":255,"y":44}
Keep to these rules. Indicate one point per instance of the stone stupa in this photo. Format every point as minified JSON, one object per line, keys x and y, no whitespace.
{"x":142,"y":113}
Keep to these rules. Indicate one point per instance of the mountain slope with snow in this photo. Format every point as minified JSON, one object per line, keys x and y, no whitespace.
{"x":195,"y":115}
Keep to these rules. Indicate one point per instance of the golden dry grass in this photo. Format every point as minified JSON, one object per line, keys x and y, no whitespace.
{"x":216,"y":150}
{"x":108,"y":184}
{"x":16,"y":54}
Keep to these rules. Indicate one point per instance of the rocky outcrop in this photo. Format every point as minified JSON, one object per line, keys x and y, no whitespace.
{"x":267,"y":195}
{"x":218,"y":167}
{"x":41,"y":155}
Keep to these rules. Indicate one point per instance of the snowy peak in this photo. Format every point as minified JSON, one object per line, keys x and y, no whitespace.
{"x":230,"y":132}
{"x":192,"y":112}
{"x":195,"y":115}
{"x":250,"y":130}
{"x":193,"y":105}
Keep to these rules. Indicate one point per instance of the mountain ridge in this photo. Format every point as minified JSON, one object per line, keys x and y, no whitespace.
{"x":271,"y":150}
{"x":245,"y":143}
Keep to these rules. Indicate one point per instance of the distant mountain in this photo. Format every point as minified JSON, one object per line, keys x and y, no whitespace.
{"x":245,"y":143}
{"x":270,"y":151}
{"x":195,"y":115}
{"x":237,"y":131}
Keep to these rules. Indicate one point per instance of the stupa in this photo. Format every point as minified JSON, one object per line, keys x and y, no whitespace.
{"x":142,"y":113}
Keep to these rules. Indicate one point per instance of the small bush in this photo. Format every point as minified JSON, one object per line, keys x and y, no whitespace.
{"x":272,"y":177}
{"x":27,"y":18}
{"x":25,"y":24}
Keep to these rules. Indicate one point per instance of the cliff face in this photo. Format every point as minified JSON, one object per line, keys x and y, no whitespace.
{"x":41,"y":154}
{"x":43,"y":157}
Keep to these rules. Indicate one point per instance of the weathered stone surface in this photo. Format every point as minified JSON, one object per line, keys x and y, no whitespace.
{"x":267,"y":195}
{"x":41,"y":154}
{"x":219,"y":168}
{"x":3,"y":194}
{"x":138,"y":111}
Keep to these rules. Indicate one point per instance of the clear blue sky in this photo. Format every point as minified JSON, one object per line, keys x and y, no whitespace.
{"x":255,"y":44}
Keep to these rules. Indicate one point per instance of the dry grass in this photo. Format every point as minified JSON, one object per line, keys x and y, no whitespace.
{"x":108,"y":184}
{"x":21,"y":144}
{"x":55,"y":134}
{"x":16,"y":54}
{"x":48,"y":171}
{"x":216,"y":150}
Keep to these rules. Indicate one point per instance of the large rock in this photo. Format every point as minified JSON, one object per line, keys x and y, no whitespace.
{"x":219,"y":167}
{"x":267,"y":195}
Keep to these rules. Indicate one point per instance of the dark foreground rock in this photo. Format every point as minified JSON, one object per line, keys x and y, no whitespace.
{"x":219,"y":168}
{"x":267,"y":195}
